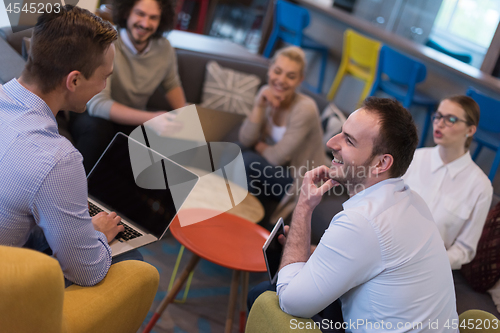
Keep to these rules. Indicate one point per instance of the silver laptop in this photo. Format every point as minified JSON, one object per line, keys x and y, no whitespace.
{"x":148,"y":201}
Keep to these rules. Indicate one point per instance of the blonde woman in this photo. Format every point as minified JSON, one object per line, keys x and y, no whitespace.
{"x":283,"y":133}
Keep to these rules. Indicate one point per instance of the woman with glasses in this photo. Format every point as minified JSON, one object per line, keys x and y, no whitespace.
{"x":456,"y":190}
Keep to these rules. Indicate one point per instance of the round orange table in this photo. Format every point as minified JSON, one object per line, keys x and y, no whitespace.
{"x":226,"y":240}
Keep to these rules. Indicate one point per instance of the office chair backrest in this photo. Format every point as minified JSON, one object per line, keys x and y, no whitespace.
{"x":361,"y":50}
{"x":400,"y":68}
{"x":488,"y":106}
{"x":359,"y":59}
{"x":291,"y":20}
{"x":403,"y":74}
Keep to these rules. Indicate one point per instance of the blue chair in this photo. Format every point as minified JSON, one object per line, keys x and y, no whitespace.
{"x":463,"y":57}
{"x":397,"y":75}
{"x":488,"y":131}
{"x":289,"y":21}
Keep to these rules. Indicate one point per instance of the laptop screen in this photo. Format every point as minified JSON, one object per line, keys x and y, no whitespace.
{"x":111,"y":183}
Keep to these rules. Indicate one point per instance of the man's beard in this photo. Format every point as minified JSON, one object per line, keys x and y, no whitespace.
{"x":137,"y":41}
{"x":351,"y":176}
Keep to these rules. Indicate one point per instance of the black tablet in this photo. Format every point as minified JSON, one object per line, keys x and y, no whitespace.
{"x":273,"y":250}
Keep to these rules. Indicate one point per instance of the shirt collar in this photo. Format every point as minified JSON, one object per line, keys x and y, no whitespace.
{"x":25,"y":97}
{"x":436,"y":161}
{"x":126,"y":40}
{"x":455,"y":167}
{"x":392,"y":185}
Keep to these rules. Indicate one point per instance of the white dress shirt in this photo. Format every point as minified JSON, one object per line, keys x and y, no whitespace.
{"x":383,"y":257}
{"x":459,"y":197}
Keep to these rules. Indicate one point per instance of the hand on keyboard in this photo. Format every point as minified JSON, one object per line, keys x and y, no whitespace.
{"x":108,"y":224}
{"x":128,"y":233}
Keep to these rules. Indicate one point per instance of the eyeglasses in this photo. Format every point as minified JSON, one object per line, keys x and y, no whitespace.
{"x":449,"y":120}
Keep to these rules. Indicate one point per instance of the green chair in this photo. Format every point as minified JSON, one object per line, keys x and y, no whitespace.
{"x":266,"y":317}
{"x":473,"y":321}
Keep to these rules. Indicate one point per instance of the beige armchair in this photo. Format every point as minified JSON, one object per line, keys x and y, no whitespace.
{"x":33,"y":297}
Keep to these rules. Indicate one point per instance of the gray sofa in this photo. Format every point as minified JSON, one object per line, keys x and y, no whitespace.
{"x":192,"y":62}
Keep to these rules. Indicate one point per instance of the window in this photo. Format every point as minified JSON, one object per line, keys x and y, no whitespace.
{"x":467,"y":24}
{"x":473,"y":20}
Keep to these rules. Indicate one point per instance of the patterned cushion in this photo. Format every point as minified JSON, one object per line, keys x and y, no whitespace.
{"x":229,"y":90}
{"x":484,"y":270}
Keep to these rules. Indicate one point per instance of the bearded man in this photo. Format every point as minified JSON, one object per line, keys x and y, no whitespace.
{"x":382,"y":256}
{"x":144,"y":61}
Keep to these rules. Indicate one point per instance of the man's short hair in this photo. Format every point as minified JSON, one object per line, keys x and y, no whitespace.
{"x":73,"y":39}
{"x":122,"y":8}
{"x":398,"y":133}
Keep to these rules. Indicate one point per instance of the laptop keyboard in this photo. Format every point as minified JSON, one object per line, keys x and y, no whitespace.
{"x":127,"y":234}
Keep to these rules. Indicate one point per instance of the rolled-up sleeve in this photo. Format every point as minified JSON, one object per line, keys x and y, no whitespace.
{"x":60,"y":209}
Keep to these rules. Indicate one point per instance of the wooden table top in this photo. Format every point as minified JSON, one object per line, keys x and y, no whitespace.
{"x":225,"y":240}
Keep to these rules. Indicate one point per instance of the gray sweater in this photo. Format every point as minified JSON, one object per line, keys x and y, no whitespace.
{"x":136,"y":76}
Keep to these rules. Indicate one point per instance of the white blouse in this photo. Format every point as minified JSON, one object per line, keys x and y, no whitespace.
{"x":459,"y":197}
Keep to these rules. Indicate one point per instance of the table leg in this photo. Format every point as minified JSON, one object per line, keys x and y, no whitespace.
{"x":243,"y":304}
{"x":233,"y":296}
{"x":173,"y":292}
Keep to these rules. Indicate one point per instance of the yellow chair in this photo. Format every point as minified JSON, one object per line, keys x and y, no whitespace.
{"x":33,"y":297}
{"x":359,"y":59}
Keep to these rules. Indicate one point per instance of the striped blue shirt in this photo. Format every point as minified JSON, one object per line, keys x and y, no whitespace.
{"x":42,"y":182}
